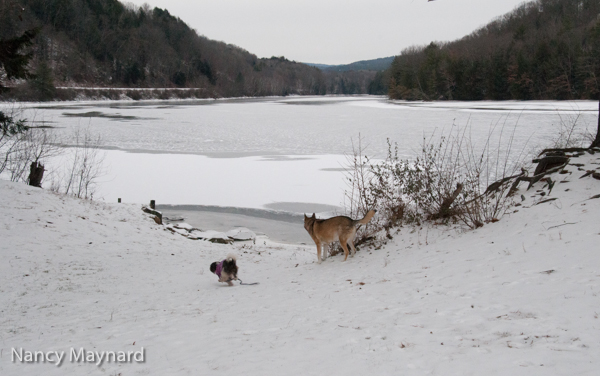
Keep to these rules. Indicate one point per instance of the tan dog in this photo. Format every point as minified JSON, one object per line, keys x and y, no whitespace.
{"x":342,"y":229}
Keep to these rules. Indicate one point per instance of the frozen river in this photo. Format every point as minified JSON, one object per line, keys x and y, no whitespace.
{"x":277,"y":153}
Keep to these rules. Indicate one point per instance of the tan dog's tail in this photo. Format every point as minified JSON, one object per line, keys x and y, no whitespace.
{"x":367,"y":217}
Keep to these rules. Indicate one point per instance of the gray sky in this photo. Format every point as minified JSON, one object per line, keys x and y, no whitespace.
{"x":333,"y":31}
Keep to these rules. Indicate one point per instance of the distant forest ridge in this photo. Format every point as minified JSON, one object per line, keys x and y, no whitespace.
{"x":379,"y":64}
{"x":105,"y":43}
{"x":544,"y":49}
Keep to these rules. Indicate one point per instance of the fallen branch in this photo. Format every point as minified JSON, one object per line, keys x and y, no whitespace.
{"x":495,"y":185}
{"x":534,"y":179}
{"x":444,"y":211}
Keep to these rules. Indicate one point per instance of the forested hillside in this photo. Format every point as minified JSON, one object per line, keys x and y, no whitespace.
{"x":372,"y":65}
{"x":105,"y":43}
{"x":545,"y":49}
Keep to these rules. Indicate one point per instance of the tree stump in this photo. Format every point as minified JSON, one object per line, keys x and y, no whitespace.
{"x":36,"y":174}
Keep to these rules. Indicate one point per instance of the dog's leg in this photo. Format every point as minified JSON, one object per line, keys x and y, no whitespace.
{"x":343,"y":243}
{"x":351,"y":243}
{"x":326,"y":249}
{"x":319,"y":252}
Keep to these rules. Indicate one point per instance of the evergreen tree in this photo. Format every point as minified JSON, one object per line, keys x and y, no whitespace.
{"x":12,"y":59}
{"x":43,"y":82}
{"x":15,"y":66}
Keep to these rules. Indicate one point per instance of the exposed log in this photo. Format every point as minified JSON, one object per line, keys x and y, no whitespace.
{"x":562,"y":151}
{"x":547,"y":163}
{"x":158,"y":218}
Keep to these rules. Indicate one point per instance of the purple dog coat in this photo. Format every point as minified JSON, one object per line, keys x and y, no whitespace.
{"x":219,"y":268}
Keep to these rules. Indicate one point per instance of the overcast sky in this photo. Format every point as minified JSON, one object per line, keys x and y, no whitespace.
{"x":333,"y":31}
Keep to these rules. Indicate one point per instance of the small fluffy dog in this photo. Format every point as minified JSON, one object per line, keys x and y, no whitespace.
{"x":342,"y":228}
{"x":226,"y":270}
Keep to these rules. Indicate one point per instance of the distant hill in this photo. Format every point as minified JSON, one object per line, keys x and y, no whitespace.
{"x":544,"y":49}
{"x":106,"y":43}
{"x":320,"y":66}
{"x":363,"y":65}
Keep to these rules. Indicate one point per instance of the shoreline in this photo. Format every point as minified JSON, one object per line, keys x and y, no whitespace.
{"x":278,"y":226}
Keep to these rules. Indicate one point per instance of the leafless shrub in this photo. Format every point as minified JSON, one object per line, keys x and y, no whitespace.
{"x":11,"y":129}
{"x":83,"y":166}
{"x":32,"y":146}
{"x":487,"y":173}
{"x":450,"y":178}
{"x":357,"y":198}
{"x":572,"y":131}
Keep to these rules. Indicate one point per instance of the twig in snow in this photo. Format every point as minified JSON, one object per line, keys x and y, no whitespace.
{"x":587,"y":173}
{"x":547,"y":200}
{"x":591,"y":198}
{"x":564,"y":224}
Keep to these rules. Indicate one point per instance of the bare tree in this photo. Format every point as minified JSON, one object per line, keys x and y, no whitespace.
{"x":10,"y":131}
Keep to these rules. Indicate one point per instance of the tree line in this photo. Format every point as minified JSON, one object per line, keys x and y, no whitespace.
{"x":544,"y":49}
{"x":105,"y":43}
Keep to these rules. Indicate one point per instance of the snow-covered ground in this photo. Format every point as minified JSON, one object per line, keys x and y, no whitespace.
{"x":516,"y":297}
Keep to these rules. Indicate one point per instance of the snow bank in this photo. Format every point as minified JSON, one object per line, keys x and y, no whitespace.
{"x":516,"y":297}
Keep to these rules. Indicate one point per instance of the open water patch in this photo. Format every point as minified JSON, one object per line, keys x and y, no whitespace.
{"x":303,"y":207}
{"x":249,"y":212}
{"x":284,"y":158}
{"x":99,"y":114}
{"x":335,"y":169}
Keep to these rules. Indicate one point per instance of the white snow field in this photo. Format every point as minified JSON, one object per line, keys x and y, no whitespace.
{"x":516,"y":297}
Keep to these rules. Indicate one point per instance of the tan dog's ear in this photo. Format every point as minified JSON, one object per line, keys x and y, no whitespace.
{"x":305,"y":217}
{"x":314,"y":216}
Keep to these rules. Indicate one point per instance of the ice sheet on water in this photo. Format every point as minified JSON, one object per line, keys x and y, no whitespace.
{"x":267,"y":127}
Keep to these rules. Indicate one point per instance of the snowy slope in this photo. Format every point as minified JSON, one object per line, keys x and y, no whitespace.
{"x":516,"y":297}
